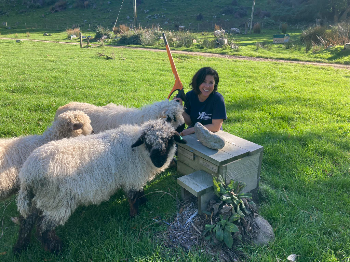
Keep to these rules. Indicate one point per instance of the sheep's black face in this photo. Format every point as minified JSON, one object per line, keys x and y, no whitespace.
{"x":181,"y":128}
{"x":159,"y":155}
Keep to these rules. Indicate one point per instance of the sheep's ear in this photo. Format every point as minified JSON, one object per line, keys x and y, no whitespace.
{"x":139,"y":141}
{"x":77,"y":126}
{"x":179,"y":139}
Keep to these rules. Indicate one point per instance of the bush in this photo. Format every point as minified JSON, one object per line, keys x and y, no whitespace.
{"x":150,"y":37}
{"x":103,"y":33}
{"x":131,"y":38}
{"x":257,"y":28}
{"x":183,"y":39}
{"x":121,"y":29}
{"x":209,"y":43}
{"x":284,"y":28}
{"x":74,"y":31}
{"x":322,"y":36}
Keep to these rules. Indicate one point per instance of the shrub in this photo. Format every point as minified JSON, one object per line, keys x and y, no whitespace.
{"x":268,"y":22}
{"x":183,"y":39}
{"x":257,"y":28}
{"x":284,"y":28}
{"x":103,"y":33}
{"x":313,"y":35}
{"x":209,"y":43}
{"x":229,"y":214}
{"x":131,"y":38}
{"x":121,"y":29}
{"x":74,"y":31}
{"x":339,"y":34}
{"x":150,"y":37}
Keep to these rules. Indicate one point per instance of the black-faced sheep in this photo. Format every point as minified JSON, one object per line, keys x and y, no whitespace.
{"x":14,"y":151}
{"x":112,"y":116}
{"x":62,"y":175}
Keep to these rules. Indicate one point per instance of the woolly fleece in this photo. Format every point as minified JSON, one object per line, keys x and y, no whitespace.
{"x":65,"y":174}
{"x":14,"y":151}
{"x":112,"y":116}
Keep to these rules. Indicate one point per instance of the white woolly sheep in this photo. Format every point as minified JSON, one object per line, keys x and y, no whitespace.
{"x":112,"y":116}
{"x":14,"y":151}
{"x":62,"y":175}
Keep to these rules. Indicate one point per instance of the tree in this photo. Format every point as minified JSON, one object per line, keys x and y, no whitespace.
{"x":336,"y":10}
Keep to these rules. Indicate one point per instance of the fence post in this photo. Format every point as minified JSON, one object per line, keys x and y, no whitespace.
{"x":81,"y":40}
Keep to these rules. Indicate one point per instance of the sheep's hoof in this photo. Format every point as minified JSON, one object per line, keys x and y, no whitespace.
{"x":17,"y":249}
{"x":141,"y":199}
{"x":51,"y":242}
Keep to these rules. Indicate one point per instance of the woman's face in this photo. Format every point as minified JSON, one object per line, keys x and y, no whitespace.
{"x":207,"y":87}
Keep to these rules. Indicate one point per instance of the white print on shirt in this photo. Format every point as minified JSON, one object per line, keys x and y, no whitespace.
{"x":204,"y":116}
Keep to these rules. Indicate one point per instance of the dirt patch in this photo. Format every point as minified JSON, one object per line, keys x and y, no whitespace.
{"x":186,"y":232}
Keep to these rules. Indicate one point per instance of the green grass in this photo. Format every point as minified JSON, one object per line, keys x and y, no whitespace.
{"x":250,"y":45}
{"x":299,"y":114}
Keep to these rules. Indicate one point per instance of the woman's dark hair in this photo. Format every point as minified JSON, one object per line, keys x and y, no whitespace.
{"x":200,"y":76}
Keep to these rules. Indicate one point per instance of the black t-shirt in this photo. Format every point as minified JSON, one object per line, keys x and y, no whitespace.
{"x":212,"y":108}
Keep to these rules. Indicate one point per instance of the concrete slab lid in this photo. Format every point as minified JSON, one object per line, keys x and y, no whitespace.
{"x":234,"y":149}
{"x":196,"y":183}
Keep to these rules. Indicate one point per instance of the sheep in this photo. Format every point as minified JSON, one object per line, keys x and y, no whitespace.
{"x":112,"y":116}
{"x":62,"y":175}
{"x":14,"y":151}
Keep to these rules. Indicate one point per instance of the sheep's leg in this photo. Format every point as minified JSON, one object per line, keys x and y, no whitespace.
{"x":134,"y":201}
{"x":48,"y":238}
{"x":26,"y":226}
{"x":141,"y":197}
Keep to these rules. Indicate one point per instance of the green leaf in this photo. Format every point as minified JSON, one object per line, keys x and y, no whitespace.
{"x":208,"y":237}
{"x":219,"y":233}
{"x":245,"y":195}
{"x":216,"y":187}
{"x":225,"y":198}
{"x":231,"y":227}
{"x":228,"y":238}
{"x":231,"y":185}
{"x":209,"y":227}
{"x":223,"y":222}
{"x":234,"y":217}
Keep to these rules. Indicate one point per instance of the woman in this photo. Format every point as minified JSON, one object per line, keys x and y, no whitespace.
{"x":204,"y":103}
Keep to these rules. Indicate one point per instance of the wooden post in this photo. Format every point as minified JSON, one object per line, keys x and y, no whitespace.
{"x":81,"y":40}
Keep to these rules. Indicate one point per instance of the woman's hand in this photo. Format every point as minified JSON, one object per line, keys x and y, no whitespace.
{"x":187,"y":131}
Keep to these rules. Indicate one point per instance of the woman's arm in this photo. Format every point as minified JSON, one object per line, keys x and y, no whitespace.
{"x":213,"y":127}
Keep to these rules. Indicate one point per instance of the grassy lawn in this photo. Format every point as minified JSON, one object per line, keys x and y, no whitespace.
{"x":299,"y":113}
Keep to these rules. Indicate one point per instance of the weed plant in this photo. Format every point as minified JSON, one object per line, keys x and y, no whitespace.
{"x":298,"y":113}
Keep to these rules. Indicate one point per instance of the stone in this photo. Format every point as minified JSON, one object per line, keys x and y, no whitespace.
{"x":208,"y":138}
{"x":265,"y":232}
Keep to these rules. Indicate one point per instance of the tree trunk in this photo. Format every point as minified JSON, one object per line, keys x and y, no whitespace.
{"x":345,"y":14}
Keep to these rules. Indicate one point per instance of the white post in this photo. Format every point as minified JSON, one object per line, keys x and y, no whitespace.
{"x":135,"y":15}
{"x":251,"y":17}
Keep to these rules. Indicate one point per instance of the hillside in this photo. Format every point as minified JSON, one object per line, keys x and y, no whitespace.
{"x":168,"y":14}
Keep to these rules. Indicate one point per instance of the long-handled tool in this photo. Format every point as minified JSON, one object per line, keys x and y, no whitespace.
{"x":178,"y":85}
